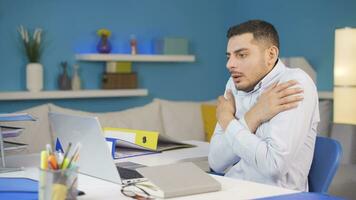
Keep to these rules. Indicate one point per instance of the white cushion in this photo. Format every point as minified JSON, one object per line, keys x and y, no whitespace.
{"x":182,"y":120}
{"x":36,"y":133}
{"x":146,"y":117}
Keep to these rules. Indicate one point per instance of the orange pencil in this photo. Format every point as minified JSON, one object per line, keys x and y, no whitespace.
{"x":52,"y":162}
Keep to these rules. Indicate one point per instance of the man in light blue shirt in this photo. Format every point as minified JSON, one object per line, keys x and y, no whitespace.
{"x":267,"y":119}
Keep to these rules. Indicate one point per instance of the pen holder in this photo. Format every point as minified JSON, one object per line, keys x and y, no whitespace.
{"x":58,"y":184}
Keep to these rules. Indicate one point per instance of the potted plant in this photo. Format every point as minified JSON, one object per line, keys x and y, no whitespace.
{"x":32,"y":48}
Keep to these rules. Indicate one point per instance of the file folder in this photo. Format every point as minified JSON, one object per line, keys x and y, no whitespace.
{"x":18,"y":188}
{"x":119,"y":153}
{"x":135,"y":138}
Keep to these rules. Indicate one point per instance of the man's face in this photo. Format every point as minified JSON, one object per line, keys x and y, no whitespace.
{"x":246,"y":61}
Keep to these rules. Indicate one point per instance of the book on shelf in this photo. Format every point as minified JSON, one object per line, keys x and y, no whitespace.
{"x":131,"y":142}
{"x":118,"y":67}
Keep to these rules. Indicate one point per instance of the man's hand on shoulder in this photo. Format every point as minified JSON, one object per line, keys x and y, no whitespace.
{"x":225,"y":111}
{"x":275,"y":99}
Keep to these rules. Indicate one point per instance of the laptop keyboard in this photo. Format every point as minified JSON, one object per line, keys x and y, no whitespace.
{"x":128,"y":173}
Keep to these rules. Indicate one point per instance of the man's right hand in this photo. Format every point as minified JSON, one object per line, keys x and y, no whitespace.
{"x":275,"y":99}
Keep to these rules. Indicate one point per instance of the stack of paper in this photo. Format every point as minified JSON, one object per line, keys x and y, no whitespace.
{"x":7,"y":132}
{"x":10,"y":117}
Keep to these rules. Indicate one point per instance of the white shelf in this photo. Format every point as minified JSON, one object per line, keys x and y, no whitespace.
{"x":135,"y":58}
{"x":326,"y":95}
{"x":71,"y":94}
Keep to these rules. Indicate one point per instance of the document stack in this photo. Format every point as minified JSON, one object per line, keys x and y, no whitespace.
{"x":8,"y":132}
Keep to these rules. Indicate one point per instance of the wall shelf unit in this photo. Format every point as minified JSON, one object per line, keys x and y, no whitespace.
{"x":96,"y":57}
{"x":72,"y":94}
{"x":135,"y":58}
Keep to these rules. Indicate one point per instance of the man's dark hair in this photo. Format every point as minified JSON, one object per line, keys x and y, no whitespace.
{"x":261,"y":30}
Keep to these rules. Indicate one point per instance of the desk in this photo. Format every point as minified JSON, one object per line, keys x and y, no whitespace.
{"x":100,"y":189}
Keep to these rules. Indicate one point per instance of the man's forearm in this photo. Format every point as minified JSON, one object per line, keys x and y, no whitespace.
{"x":252,"y":120}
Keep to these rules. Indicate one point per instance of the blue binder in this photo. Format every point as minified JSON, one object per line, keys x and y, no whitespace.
{"x":18,"y":188}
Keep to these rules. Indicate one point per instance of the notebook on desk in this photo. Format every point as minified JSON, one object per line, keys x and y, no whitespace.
{"x":179,"y":179}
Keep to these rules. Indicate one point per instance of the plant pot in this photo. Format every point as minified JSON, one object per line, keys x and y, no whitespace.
{"x":34,"y":77}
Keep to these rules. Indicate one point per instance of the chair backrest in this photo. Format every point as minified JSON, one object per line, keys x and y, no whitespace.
{"x":326,"y":160}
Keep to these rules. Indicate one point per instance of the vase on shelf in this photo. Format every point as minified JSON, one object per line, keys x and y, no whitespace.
{"x":104,"y":45}
{"x":76,"y":82}
{"x":64,"y":82}
{"x":34,"y":77}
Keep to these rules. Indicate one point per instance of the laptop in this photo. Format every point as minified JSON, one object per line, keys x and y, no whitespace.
{"x":95,"y":157}
{"x":177,"y":179}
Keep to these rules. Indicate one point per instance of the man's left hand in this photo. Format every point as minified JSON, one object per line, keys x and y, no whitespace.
{"x":225,"y":110}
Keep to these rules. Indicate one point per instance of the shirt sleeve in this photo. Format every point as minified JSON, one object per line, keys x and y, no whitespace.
{"x":220,"y":155}
{"x":275,"y":143}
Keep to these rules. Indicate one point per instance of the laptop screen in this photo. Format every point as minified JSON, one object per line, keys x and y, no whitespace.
{"x":95,"y":158}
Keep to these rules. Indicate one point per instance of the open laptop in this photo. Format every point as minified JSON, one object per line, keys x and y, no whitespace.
{"x":95,"y":157}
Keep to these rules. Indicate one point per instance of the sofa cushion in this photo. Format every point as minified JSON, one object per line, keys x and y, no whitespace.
{"x":146,"y":117}
{"x":182,"y":120}
{"x":209,"y":119}
{"x":325,"y":110}
{"x":36,"y":133}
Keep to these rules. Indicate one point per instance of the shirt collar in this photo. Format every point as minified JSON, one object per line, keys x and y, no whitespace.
{"x":270,"y":78}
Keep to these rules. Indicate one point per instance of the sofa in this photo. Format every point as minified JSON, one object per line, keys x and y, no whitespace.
{"x":181,"y":120}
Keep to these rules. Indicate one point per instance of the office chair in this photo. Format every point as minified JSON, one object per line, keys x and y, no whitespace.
{"x":326,"y":160}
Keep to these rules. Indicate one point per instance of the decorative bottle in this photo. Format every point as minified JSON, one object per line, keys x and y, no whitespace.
{"x":64,"y":82}
{"x":133,"y":44}
{"x":76,"y":82}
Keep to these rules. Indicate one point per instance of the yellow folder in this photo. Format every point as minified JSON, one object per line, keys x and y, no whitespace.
{"x":142,"y":138}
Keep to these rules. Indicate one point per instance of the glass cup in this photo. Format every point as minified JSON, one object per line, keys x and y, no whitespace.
{"x":58,"y":184}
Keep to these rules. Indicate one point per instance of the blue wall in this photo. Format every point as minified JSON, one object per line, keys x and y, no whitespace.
{"x":306,"y":29}
{"x":70,"y":27}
